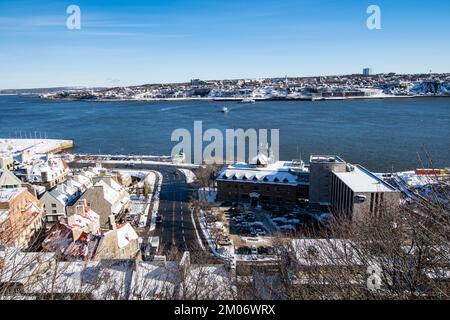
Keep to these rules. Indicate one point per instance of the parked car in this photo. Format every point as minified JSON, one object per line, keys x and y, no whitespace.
{"x":253,"y":235}
{"x":225,"y":242}
{"x":159,"y":219}
{"x":254,"y":250}
{"x":244,"y":250}
{"x":260,"y":232}
{"x":263,"y":250}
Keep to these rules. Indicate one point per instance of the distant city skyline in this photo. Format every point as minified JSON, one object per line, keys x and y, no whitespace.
{"x":142,"y":42}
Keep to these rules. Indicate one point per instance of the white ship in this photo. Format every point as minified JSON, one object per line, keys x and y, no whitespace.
{"x":248,"y":100}
{"x":225,"y":110}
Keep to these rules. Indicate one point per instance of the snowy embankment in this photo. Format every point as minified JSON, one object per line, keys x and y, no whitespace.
{"x":210,"y":240}
{"x":190,"y":176}
{"x":156,"y":194}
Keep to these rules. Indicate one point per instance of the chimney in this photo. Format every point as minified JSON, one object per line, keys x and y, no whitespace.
{"x":112,"y":222}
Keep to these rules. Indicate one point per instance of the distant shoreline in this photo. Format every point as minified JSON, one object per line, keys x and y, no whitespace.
{"x":311,"y":99}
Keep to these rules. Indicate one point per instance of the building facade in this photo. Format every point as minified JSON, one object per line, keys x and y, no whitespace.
{"x":21,"y":217}
{"x":359,"y":194}
{"x":262,"y":182}
{"x":106,"y":197}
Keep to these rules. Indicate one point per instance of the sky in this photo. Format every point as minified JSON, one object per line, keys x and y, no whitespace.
{"x":136,"y":42}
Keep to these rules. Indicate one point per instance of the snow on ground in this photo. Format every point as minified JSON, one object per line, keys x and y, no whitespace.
{"x":190,"y":176}
{"x":207,"y":194}
{"x":139,"y":207}
{"x":414,"y":180}
{"x":35,"y":146}
{"x":220,"y":253}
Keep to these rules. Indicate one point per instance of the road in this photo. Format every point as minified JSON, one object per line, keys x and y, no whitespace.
{"x":177,"y":229}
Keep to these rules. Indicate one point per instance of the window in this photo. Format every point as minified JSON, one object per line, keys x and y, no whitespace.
{"x":53,"y":205}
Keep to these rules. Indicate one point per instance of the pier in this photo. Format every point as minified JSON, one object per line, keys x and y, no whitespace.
{"x":34,"y":146}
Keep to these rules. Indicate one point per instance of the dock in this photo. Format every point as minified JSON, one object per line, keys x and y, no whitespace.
{"x":34,"y":146}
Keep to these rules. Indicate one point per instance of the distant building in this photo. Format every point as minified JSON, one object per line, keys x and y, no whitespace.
{"x":367,"y":72}
{"x":263,"y":182}
{"x":21,"y":217}
{"x":196,"y":82}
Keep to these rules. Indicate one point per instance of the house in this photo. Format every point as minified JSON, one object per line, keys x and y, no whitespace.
{"x":8,"y":180}
{"x":107,"y":197}
{"x":47,"y":171}
{"x":21,"y":217}
{"x":56,"y":200}
{"x":79,"y":237}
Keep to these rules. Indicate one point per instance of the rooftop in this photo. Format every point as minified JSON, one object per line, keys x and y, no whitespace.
{"x":325,"y":158}
{"x":7,"y":195}
{"x":283,"y":172}
{"x":359,"y":179}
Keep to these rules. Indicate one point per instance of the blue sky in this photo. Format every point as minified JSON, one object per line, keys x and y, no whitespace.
{"x":135,"y":42}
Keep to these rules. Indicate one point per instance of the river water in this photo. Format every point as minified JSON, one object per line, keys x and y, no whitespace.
{"x":380,"y":134}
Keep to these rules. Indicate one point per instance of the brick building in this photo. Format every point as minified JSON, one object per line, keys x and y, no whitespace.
{"x":263,"y":182}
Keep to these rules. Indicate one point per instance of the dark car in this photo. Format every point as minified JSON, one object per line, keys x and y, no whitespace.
{"x":244,"y":250}
{"x":159,"y":219}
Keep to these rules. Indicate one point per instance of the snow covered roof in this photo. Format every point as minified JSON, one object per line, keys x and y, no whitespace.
{"x":260,"y":159}
{"x":109,"y":193}
{"x":359,"y":179}
{"x":126,"y":234}
{"x":85,"y":220}
{"x":6,"y":195}
{"x":4,"y":213}
{"x":153,"y":281}
{"x":7,"y":178}
{"x":63,"y":193}
{"x":280,"y":172}
{"x":322,"y":252}
{"x":107,"y":279}
{"x":19,"y":266}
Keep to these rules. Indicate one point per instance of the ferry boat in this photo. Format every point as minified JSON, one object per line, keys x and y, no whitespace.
{"x":248,"y":100}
